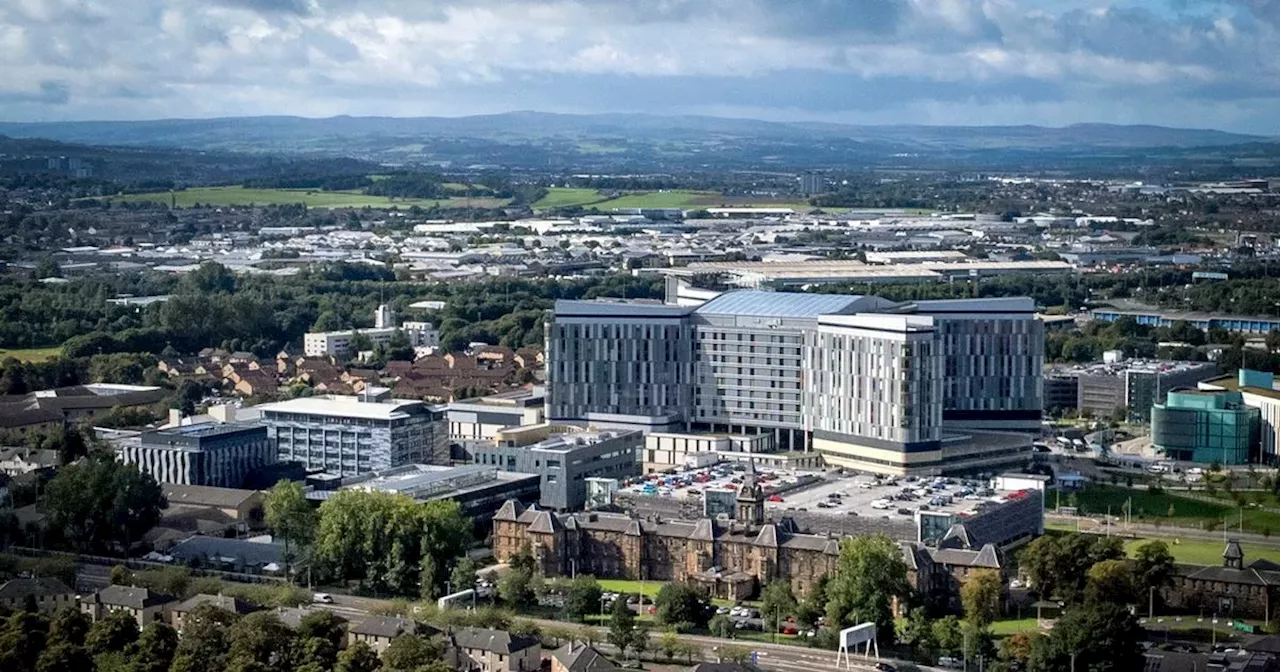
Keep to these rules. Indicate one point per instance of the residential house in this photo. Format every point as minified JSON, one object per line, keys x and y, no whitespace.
{"x":47,"y":593}
{"x":19,"y":461}
{"x":497,"y":650}
{"x":178,"y":612}
{"x":574,"y":657}
{"x":142,"y":604}
{"x":256,"y":383}
{"x":378,"y":631}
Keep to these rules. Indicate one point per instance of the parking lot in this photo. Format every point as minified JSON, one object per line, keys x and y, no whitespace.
{"x":832,"y":494}
{"x":864,"y":495}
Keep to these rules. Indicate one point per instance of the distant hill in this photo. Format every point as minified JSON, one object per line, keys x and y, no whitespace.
{"x":318,"y":134}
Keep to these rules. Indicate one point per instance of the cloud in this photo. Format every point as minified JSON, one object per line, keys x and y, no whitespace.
{"x":1186,"y":62}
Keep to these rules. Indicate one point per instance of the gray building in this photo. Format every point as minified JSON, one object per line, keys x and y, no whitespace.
{"x":880,"y":385}
{"x":563,"y":458}
{"x":350,"y":435}
{"x":216,"y":454}
{"x":1133,"y":386}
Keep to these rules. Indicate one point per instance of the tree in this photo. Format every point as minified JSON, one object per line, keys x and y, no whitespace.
{"x":1104,"y":638}
{"x":155,"y":648}
{"x":869,"y":575}
{"x":917,"y":632}
{"x":980,"y":596}
{"x":777,"y":600}
{"x":69,"y":626}
{"x":557,"y":634}
{"x":1153,"y":565}
{"x":63,"y":657}
{"x":1110,"y":581}
{"x":583,"y":596}
{"x":205,"y":640}
{"x":682,"y":603}
{"x":323,"y":624}
{"x":114,"y":632}
{"x":409,"y":652}
{"x":516,"y":586}
{"x":463,"y":574}
{"x":735,"y":654}
{"x":358,"y":658}
{"x":22,"y":638}
{"x":101,"y":503}
{"x":588,"y":635}
{"x":622,"y":626}
{"x":669,"y":643}
{"x":121,"y":576}
{"x":1059,"y":566}
{"x":290,"y":515}
{"x":948,"y":633}
{"x":814,"y":604}
{"x":256,"y":638}
{"x":721,"y":626}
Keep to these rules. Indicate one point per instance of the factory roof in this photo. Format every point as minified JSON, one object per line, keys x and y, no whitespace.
{"x":339,"y":406}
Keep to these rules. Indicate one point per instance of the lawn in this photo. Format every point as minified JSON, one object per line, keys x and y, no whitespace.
{"x":1189,"y":551}
{"x":31,"y":354}
{"x":675,"y":198}
{"x":626,"y":587}
{"x":1014,"y":626}
{"x":217,"y":196}
{"x":563,"y":197}
{"x":1165,"y":507}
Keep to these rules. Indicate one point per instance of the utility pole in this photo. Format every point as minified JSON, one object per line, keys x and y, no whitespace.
{"x":1151,"y":602}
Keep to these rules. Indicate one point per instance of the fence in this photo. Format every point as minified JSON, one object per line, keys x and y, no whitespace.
{"x":134,"y":563}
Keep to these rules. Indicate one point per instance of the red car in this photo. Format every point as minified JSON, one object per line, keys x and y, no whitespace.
{"x":790,"y":630}
{"x":775,"y":498}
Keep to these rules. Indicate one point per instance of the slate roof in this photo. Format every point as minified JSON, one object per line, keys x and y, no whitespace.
{"x":496,"y":641}
{"x":389,"y":627}
{"x":583,"y":659}
{"x":958,"y":557}
{"x":225,"y":602}
{"x":130,"y":597}
{"x":239,"y":551}
{"x":17,"y":589}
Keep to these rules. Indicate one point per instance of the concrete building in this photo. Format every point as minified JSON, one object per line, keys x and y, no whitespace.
{"x":1258,"y":390}
{"x":563,"y":457}
{"x":479,"y":490}
{"x":350,"y":435}
{"x":1133,"y":386}
{"x":664,"y":451}
{"x":869,"y":383}
{"x":1206,"y":426}
{"x":338,"y":343}
{"x":215,"y":454}
{"x":480,"y":419}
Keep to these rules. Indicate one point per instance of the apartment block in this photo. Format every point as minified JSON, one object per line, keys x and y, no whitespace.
{"x":563,"y":457}
{"x":350,"y":435}
{"x":216,"y":454}
{"x":338,"y":343}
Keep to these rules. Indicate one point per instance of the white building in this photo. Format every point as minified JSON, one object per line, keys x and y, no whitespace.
{"x":1258,"y":390}
{"x":338,"y":343}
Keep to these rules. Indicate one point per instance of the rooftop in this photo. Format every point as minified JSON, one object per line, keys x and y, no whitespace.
{"x":340,"y":406}
{"x":780,"y":304}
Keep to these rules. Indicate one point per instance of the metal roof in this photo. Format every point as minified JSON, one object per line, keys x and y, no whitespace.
{"x":778,"y":304}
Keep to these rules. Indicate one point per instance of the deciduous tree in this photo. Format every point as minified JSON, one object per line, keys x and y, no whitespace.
{"x":869,"y":575}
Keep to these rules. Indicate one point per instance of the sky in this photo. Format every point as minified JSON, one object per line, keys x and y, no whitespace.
{"x":1191,"y":63}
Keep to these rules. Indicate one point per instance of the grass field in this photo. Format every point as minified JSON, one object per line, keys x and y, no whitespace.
{"x":1190,"y":551}
{"x":31,"y":354}
{"x":561,"y":197}
{"x":1167,"y":507}
{"x":311,"y":198}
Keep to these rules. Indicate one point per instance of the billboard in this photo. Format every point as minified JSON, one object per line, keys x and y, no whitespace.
{"x":863,"y":634}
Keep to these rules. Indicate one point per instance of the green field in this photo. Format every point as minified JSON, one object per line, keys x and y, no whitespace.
{"x":1014,"y":626}
{"x":562,"y":197}
{"x":1196,"y":552}
{"x":217,"y":196}
{"x":31,"y":354}
{"x":1168,"y":508}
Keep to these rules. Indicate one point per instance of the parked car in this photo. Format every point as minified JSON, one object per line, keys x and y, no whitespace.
{"x":322,"y":598}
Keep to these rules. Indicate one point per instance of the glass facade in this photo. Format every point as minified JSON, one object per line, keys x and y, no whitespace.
{"x":1206,"y":427}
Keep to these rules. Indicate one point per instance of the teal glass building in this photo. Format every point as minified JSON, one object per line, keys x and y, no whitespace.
{"x":1206,"y":426}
